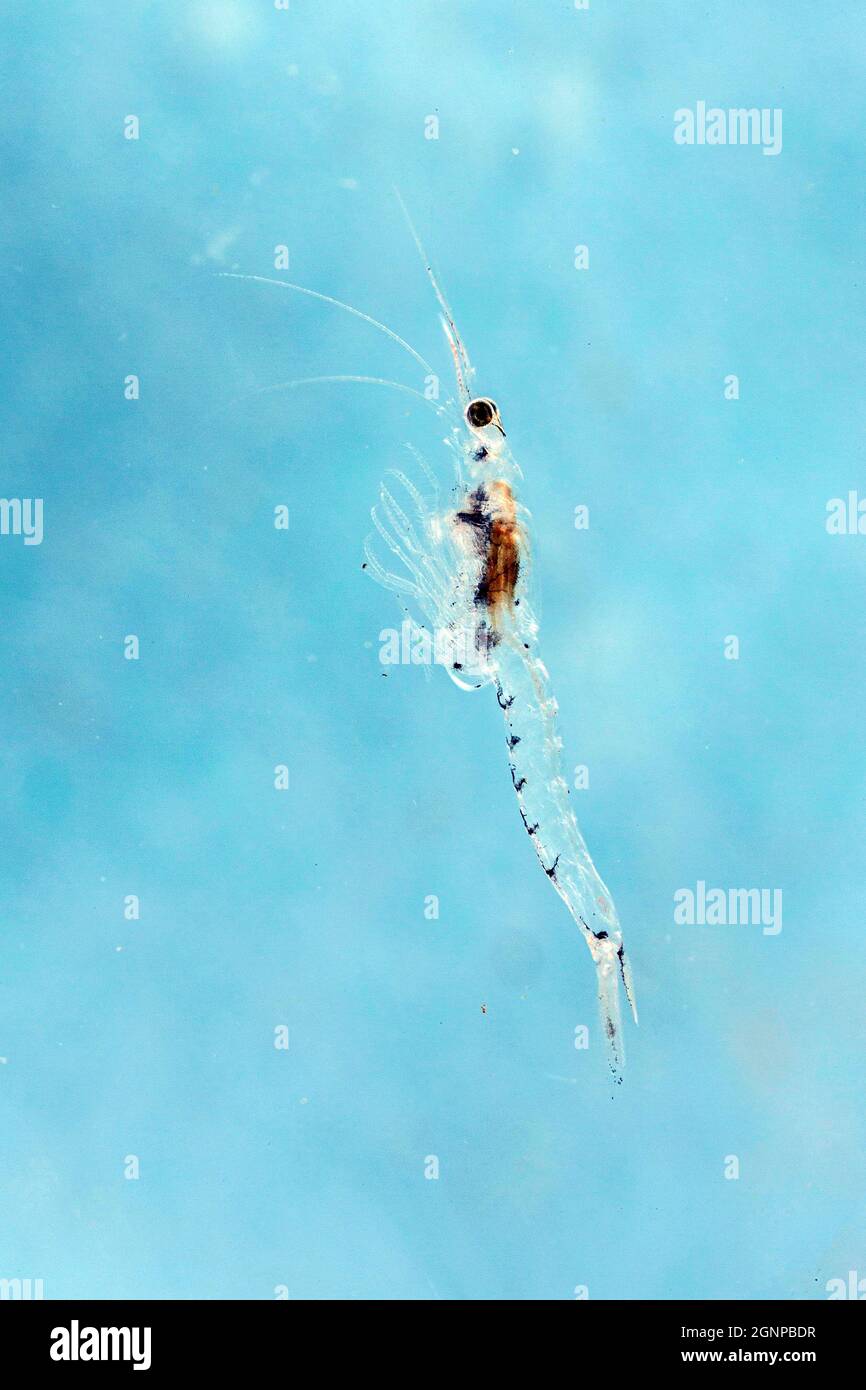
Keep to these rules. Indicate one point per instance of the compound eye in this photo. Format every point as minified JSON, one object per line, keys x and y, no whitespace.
{"x":480,"y":413}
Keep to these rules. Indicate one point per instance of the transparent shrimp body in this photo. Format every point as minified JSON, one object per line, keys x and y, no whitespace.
{"x":461,"y":570}
{"x":466,"y":569}
{"x":440,"y":561}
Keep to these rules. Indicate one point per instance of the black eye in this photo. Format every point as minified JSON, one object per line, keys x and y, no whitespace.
{"x":480,"y":413}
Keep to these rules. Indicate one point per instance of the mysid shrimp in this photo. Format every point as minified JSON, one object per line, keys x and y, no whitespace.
{"x":463,"y":567}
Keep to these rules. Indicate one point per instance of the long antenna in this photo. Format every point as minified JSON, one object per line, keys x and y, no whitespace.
{"x":462,"y":365}
{"x":317,"y":380}
{"x":337,"y":304}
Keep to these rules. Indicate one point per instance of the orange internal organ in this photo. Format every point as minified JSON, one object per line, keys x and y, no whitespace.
{"x":502,"y":559}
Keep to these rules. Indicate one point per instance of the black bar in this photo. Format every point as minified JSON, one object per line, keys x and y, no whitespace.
{"x":214,"y":1338}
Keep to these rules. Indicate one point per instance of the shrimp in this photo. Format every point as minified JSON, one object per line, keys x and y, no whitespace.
{"x":464,"y":567}
{"x":466,"y":570}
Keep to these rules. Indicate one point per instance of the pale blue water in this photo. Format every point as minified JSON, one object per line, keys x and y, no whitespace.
{"x":155,"y":1038}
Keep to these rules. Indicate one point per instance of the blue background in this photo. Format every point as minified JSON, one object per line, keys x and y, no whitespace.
{"x":258,"y":1167}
